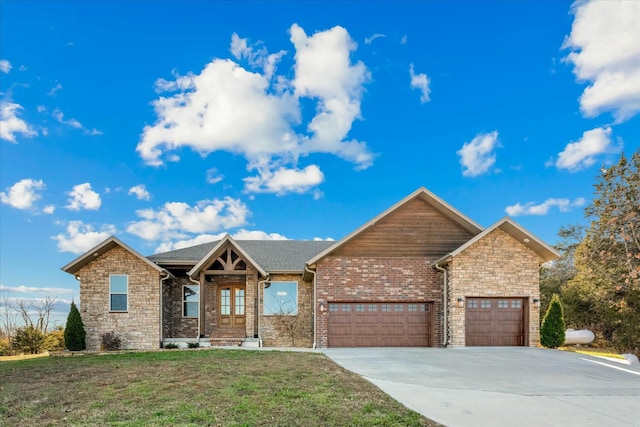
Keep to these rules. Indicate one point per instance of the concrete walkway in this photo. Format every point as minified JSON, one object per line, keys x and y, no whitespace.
{"x":499,"y":386}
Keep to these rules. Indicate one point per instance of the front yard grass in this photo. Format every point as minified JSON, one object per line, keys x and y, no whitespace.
{"x":196,"y":387}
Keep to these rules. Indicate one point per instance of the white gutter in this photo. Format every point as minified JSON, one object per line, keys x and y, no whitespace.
{"x":161,"y":305}
{"x":315,"y":304}
{"x":260,"y":285}
{"x":445,"y":305}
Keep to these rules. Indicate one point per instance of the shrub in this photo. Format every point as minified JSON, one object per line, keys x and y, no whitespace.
{"x":54,"y":340}
{"x":74,"y":334}
{"x":29,"y":339}
{"x":171,"y":345}
{"x":111,"y":341}
{"x":552,"y":329}
{"x":193,"y":344}
{"x":5,"y":346}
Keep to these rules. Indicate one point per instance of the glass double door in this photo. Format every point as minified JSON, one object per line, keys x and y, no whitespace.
{"x":231,"y":303}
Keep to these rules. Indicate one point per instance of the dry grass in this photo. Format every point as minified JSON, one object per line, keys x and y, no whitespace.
{"x":198,"y":387}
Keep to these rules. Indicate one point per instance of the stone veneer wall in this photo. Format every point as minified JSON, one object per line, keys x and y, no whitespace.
{"x":495,"y":266}
{"x":272,"y":333}
{"x":139,"y":327}
{"x":405,"y":279}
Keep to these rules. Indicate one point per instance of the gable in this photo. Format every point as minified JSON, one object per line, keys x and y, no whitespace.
{"x":92,"y":254}
{"x":517,"y":234}
{"x":226,"y":255}
{"x":416,"y":228}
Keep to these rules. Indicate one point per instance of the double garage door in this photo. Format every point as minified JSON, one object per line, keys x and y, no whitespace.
{"x":495,"y":321}
{"x":375,"y":324}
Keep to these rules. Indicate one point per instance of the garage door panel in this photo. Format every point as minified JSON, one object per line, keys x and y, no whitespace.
{"x":371,"y":324}
{"x":494,"y":322}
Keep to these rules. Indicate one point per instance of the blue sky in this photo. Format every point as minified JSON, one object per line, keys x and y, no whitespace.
{"x":172,"y":123}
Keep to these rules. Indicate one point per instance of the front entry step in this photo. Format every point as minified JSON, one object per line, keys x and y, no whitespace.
{"x":251,"y":342}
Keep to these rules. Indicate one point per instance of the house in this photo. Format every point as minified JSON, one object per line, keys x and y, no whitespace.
{"x":419,"y":274}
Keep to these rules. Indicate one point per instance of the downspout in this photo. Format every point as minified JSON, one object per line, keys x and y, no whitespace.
{"x":260,"y":288}
{"x":315,"y":303}
{"x":445,"y":305}
{"x":162,"y":304}
{"x":199,"y":303}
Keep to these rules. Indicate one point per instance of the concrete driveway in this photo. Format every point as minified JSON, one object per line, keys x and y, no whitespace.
{"x":499,"y":386}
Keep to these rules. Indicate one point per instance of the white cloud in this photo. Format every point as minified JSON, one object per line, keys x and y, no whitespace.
{"x":564,"y":205}
{"x":421,"y":82}
{"x":81,"y":237}
{"x":214,"y":176}
{"x":140,"y":191}
{"x":11,"y":124}
{"x":326,"y":239}
{"x":241,"y":234}
{"x":605,"y":51}
{"x":228,"y":108}
{"x":49,"y":209}
{"x":584,"y":152}
{"x":282,"y":180}
{"x":23,"y":194}
{"x":257,"y":56}
{"x":34,"y":290}
{"x":403,"y":40}
{"x":5,"y":66}
{"x":59,"y":116}
{"x":370,"y":40}
{"x":54,"y":90}
{"x":477,"y":156}
{"x":83,"y":197}
{"x":177,"y":219}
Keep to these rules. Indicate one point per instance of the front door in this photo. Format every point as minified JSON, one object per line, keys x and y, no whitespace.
{"x":232,"y":307}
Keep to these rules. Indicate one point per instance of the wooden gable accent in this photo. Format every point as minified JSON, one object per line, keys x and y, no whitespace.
{"x":416,"y":228}
{"x":228,"y":260}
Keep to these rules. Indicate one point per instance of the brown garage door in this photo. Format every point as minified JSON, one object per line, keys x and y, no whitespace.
{"x":494,"y":321}
{"x":373,"y":324}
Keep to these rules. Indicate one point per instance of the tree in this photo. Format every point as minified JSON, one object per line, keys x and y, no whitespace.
{"x":29,"y":339}
{"x":552,"y":329}
{"x":555,"y":275}
{"x":74,"y":333}
{"x":607,"y":283}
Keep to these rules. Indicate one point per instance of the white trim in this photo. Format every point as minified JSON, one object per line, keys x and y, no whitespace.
{"x":111,"y":310}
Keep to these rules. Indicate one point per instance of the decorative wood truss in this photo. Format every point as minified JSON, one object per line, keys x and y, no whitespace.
{"x":228,"y":261}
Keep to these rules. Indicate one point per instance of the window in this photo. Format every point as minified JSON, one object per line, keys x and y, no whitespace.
{"x":281,"y":298}
{"x":333,"y":307}
{"x":346,"y":307}
{"x":359,"y":307}
{"x":190,"y":300}
{"x":385,"y":307}
{"x":503,"y":303}
{"x":485,"y":303}
{"x":118,"y":292}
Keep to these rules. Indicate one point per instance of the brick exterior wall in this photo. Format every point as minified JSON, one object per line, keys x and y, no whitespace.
{"x":174,"y":325}
{"x":342,"y":278}
{"x":495,"y":266}
{"x":177,"y":326}
{"x":139,"y":327}
{"x":273,"y":332}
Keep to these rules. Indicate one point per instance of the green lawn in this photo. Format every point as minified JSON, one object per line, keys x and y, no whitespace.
{"x":196,"y":387}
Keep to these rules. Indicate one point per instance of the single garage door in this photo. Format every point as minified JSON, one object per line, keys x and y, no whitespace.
{"x":374,"y":324}
{"x":494,"y":321}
